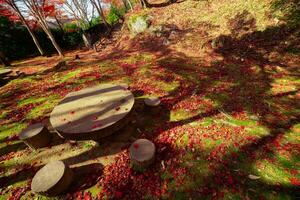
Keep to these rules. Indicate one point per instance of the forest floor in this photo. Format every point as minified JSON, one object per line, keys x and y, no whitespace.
{"x":227,"y":73}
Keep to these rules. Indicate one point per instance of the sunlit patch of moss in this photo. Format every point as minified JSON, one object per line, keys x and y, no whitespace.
{"x":251,"y":126}
{"x":183,"y":141}
{"x":258,"y":131}
{"x":207,"y":121}
{"x":179,"y":114}
{"x":143,"y":57}
{"x":288,"y":161}
{"x":31,"y":100}
{"x":106,"y":65}
{"x":84,"y":80}
{"x":168,"y":87}
{"x":44,"y":108}
{"x":44,"y":155}
{"x":293,"y":136}
{"x":3,"y":114}
{"x":209,"y":143}
{"x":144,"y":70}
{"x":220,"y":11}
{"x":4,"y":196}
{"x":70,"y":75}
{"x":21,"y":81}
{"x":272,"y":173}
{"x":286,"y":84}
{"x":94,"y":190}
{"x":6,"y":94}
{"x":11,"y":129}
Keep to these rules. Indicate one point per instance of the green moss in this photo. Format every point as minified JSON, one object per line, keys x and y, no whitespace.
{"x":183,"y":141}
{"x":44,"y":108}
{"x":7,"y":94}
{"x":251,"y":126}
{"x":31,"y":100}
{"x":168,"y":87}
{"x":209,"y":143}
{"x":178,"y":115}
{"x":272,"y":173}
{"x":3,"y":114}
{"x":21,"y":81}
{"x":207,"y":121}
{"x":258,"y":131}
{"x":106,"y":65}
{"x":94,"y":190}
{"x":290,"y":163}
{"x":70,"y":75}
{"x":11,"y":129}
{"x":136,"y":58}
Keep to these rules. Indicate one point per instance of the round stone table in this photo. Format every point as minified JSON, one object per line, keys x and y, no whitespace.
{"x":93,"y":113}
{"x":52,"y":179}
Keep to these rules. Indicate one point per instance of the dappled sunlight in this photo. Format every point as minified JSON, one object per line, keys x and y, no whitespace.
{"x":227,"y":75}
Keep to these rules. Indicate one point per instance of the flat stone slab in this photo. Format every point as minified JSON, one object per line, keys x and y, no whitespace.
{"x":142,"y":153}
{"x":35,"y":136}
{"x":52,"y":179}
{"x":93,"y":112}
{"x":152,"y":101}
{"x":4,"y":72}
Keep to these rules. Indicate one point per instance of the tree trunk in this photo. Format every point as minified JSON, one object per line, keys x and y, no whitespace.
{"x":86,"y":40}
{"x":143,"y":3}
{"x":58,"y":23}
{"x":130,"y":5}
{"x":100,"y":11}
{"x":125,"y":5}
{"x":36,"y":42}
{"x":56,"y":46}
{"x":51,"y":37}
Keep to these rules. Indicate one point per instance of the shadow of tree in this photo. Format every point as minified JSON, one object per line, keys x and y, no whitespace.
{"x":243,"y":80}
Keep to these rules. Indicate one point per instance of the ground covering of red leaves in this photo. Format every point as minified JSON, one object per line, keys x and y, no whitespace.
{"x":227,"y":129}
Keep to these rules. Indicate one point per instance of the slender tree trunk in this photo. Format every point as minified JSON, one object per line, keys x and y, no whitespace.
{"x":58,"y":23}
{"x":130,"y":5}
{"x":143,"y":3}
{"x":86,"y":40}
{"x":56,"y":46}
{"x":47,"y":30}
{"x":100,"y":11}
{"x":125,"y":4}
{"x":36,"y":42}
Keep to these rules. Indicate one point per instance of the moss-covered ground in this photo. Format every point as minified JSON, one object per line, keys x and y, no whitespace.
{"x":228,"y":127}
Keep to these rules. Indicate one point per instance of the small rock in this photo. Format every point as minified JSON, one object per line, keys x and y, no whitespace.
{"x":152,"y":101}
{"x":253,"y":177}
{"x":166,"y":42}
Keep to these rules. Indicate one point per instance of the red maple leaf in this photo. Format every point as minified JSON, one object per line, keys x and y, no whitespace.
{"x":295,"y":181}
{"x":136,"y":146}
{"x":118,"y":194}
